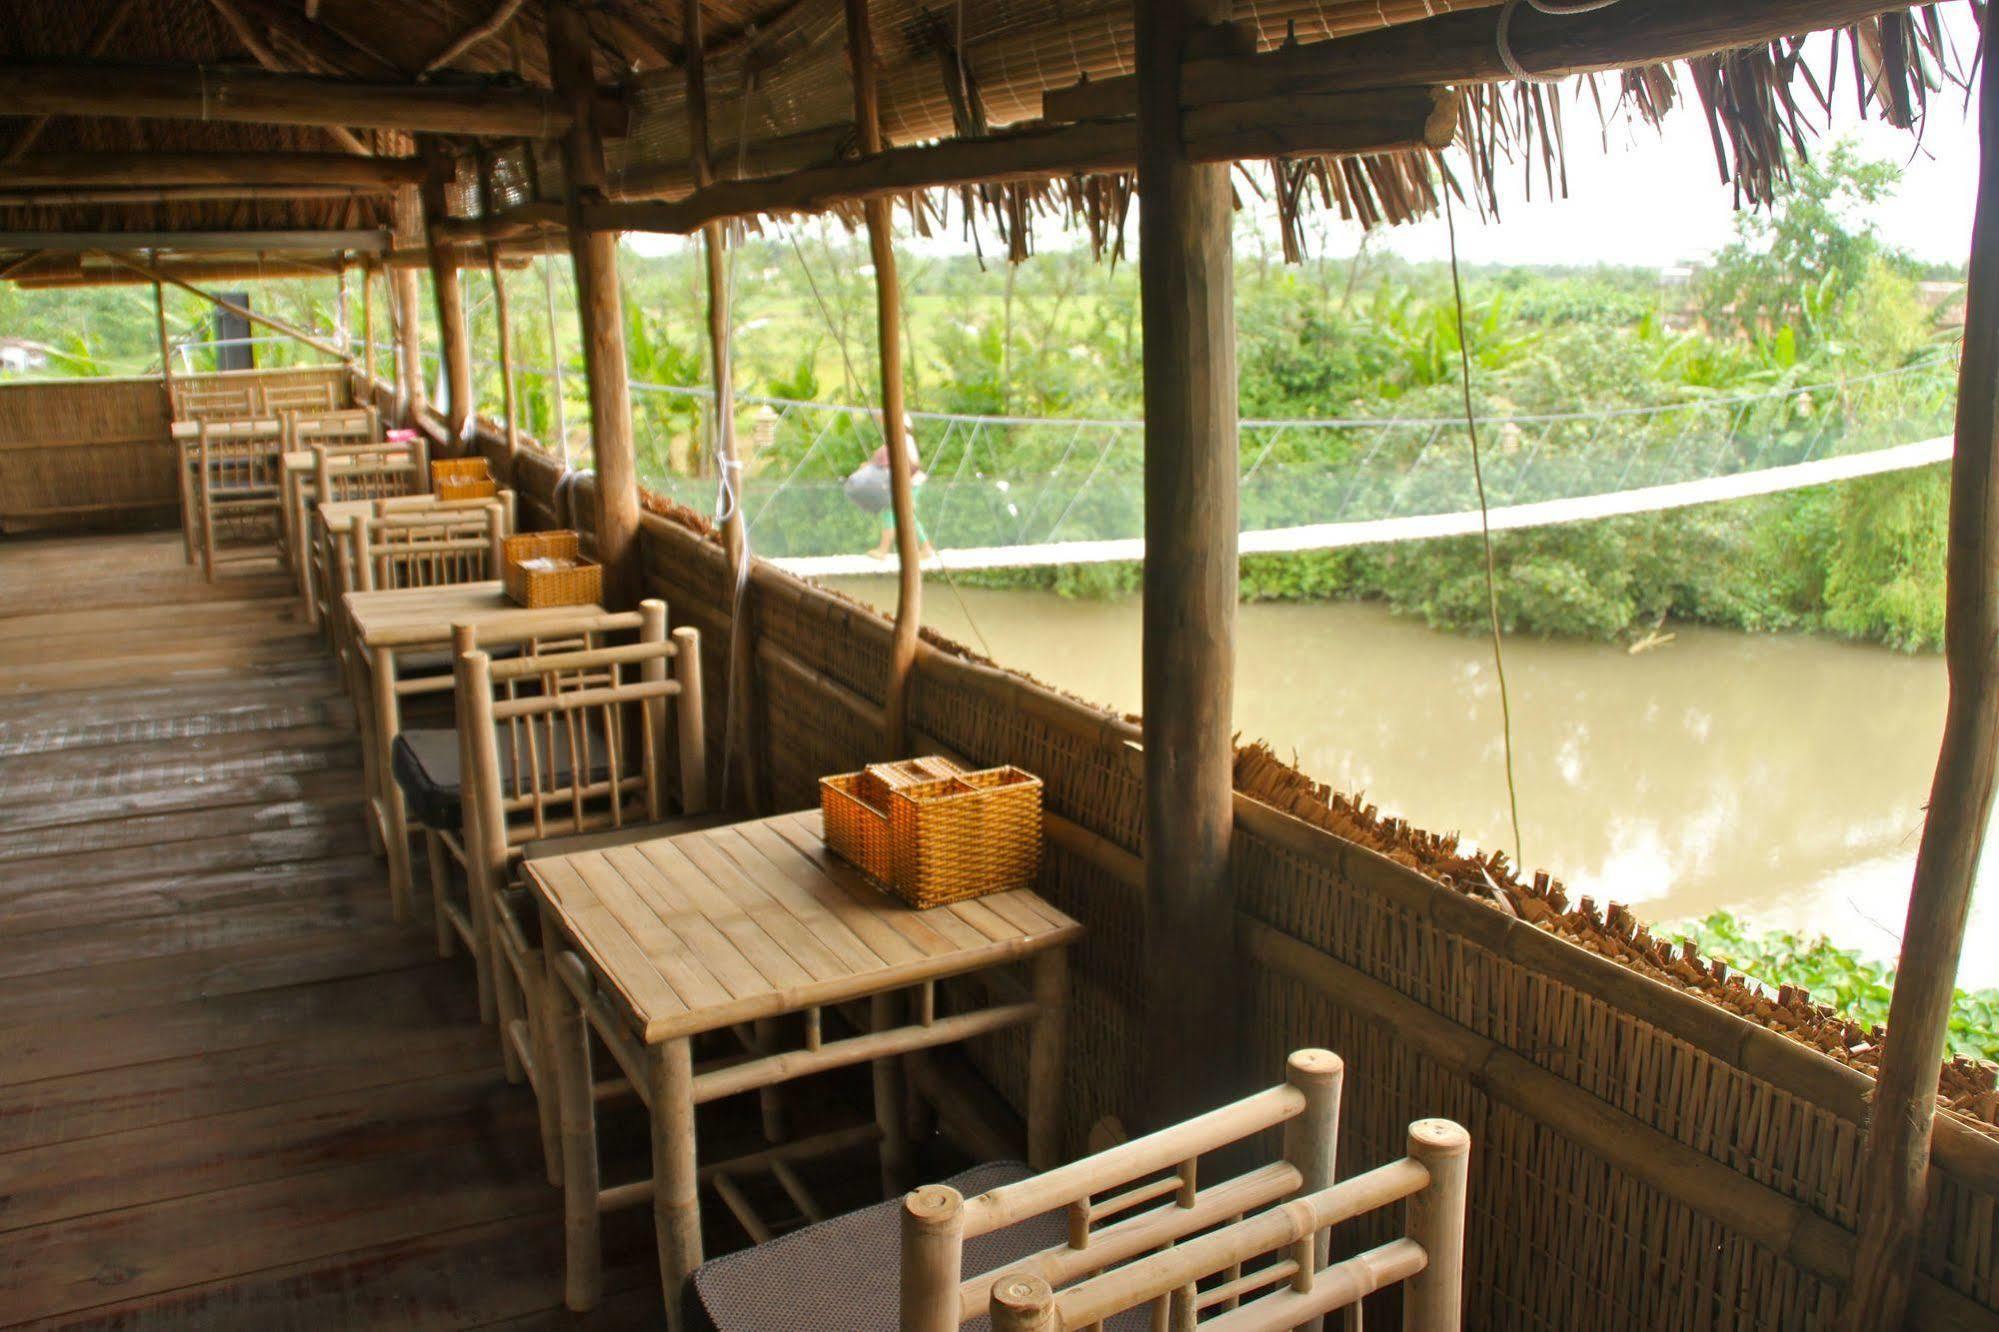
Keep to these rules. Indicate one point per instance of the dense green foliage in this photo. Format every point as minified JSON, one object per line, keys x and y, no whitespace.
{"x":1838,"y":976}
{"x":1805,"y":297}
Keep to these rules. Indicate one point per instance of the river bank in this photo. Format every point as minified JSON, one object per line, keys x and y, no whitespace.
{"x":1777,"y":776}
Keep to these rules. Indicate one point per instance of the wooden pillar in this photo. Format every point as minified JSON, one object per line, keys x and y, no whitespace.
{"x":450,"y":295}
{"x":166,"y":343}
{"x":1187,"y":288}
{"x":500,"y":312}
{"x":1894,"y":1169}
{"x":406,"y":294}
{"x":601,"y":305}
{"x":368,"y":330}
{"x":555,"y":386}
{"x":741,"y":695}
{"x":888,"y":309}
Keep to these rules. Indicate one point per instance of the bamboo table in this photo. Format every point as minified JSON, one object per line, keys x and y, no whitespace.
{"x":656,"y":943}
{"x":385,"y":630}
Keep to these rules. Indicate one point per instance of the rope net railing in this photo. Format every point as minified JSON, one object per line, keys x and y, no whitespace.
{"x":1005,"y":486}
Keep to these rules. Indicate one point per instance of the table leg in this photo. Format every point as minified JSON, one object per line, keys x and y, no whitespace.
{"x":883,"y":1014}
{"x":676,"y":1203}
{"x":570,"y":1036}
{"x":434,"y":855}
{"x":1044,"y":1058}
{"x":186,"y":504}
{"x":387,"y":795}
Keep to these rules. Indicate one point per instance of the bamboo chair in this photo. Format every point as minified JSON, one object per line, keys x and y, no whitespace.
{"x":238,"y":483}
{"x":1052,"y":1252}
{"x":342,"y":472}
{"x":196,"y":402}
{"x":563,"y":752}
{"x":281,"y":398}
{"x":433,"y":546}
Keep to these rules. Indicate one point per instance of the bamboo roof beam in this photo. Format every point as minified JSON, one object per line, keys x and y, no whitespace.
{"x":261,"y":52}
{"x":35,"y":274}
{"x":1336,"y":123}
{"x":235,"y":169}
{"x":173,"y":194}
{"x":361,"y":242}
{"x":58,"y":88}
{"x":1463,"y":47}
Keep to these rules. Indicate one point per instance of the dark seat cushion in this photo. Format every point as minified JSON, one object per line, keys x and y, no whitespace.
{"x":425,"y":764}
{"x":843,"y":1275}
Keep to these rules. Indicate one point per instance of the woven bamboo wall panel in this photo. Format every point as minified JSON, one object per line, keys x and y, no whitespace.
{"x":86,"y":447}
{"x":1561,"y":1236}
{"x":1556,"y":1239}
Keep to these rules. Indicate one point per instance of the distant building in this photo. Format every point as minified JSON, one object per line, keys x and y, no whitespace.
{"x":19,"y":355}
{"x":1946,"y":299}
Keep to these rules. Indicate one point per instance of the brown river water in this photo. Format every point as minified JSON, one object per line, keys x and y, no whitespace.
{"x":1779,"y":776}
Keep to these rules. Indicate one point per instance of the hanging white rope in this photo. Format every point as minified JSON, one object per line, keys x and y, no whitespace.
{"x":1505,"y":32}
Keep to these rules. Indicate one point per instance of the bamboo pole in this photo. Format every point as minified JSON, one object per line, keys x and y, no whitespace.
{"x":741,"y":695}
{"x":191,"y":92}
{"x":501,"y":313}
{"x":1187,"y":292}
{"x":368,"y":327}
{"x":166,"y":344}
{"x":406,"y":292}
{"x":1895,"y":1167}
{"x":601,"y":306}
{"x":449,"y":293}
{"x":272,"y":322}
{"x":888,"y":309}
{"x":561,"y":415}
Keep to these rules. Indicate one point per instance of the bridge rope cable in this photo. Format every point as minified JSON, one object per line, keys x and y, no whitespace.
{"x":1485,"y":536}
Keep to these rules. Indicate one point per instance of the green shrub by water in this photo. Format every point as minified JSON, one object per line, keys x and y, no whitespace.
{"x":1840,"y":977}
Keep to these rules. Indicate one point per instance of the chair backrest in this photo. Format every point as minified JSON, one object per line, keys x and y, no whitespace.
{"x":366,"y":471}
{"x":576,"y":740}
{"x":280,"y":398}
{"x":1264,"y":1233}
{"x":349,"y":425}
{"x":428,"y":547}
{"x":240,"y":455}
{"x":203,"y":402}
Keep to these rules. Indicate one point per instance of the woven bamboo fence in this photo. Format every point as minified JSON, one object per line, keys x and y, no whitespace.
{"x":78,"y":451}
{"x":1644,"y":1158}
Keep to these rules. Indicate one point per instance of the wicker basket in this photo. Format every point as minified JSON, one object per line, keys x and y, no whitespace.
{"x":854,"y":807}
{"x":964,"y":836}
{"x":462,"y":479}
{"x":581,"y":584}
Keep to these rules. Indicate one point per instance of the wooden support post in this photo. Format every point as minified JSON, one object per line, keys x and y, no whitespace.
{"x":502,"y":316}
{"x":601,"y":305}
{"x":1187,"y":290}
{"x":166,"y":343}
{"x":888,"y":309}
{"x":450,"y":295}
{"x":741,"y":694}
{"x":406,"y":294}
{"x":1895,"y":1167}
{"x":368,"y":330}
{"x":508,"y":410}
{"x":560,"y":419}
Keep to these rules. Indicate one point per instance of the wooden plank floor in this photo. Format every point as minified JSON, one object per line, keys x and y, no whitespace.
{"x":232,"y":1092}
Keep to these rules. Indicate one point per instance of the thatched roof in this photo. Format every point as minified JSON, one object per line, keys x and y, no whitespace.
{"x":780,"y":96}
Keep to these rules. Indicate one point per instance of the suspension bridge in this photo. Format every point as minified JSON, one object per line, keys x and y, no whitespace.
{"x":1011,"y":491}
